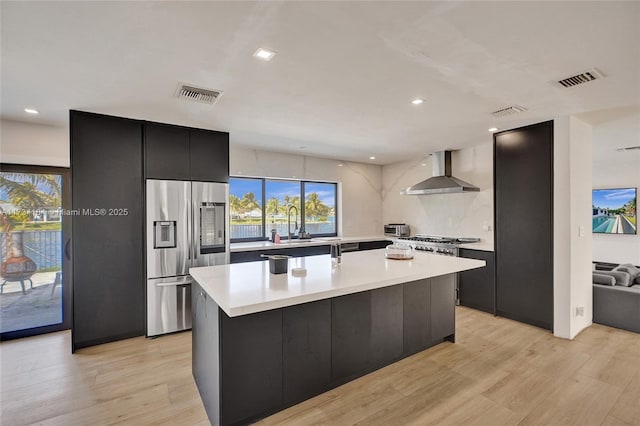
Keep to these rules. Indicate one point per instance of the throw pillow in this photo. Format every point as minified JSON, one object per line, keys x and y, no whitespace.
{"x":637,"y":281}
{"x":629,"y":269}
{"x":604,"y":279}
{"x":622,"y":278}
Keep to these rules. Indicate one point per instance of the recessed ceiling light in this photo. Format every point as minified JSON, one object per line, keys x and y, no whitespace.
{"x":417,"y":101}
{"x":340,"y":164}
{"x":423,"y":164}
{"x":31,"y":111}
{"x":264,"y":54}
{"x":372,"y":158}
{"x":493,"y":129}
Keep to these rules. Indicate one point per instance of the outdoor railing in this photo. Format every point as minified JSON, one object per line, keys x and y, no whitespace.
{"x":255,"y":231}
{"x":43,"y":247}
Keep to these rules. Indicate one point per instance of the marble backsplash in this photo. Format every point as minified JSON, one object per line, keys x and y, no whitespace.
{"x":461,"y":215}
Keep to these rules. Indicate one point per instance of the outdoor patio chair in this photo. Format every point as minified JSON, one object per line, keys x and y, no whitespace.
{"x":57,"y":281}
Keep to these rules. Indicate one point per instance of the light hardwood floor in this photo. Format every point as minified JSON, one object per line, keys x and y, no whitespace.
{"x":499,"y":372}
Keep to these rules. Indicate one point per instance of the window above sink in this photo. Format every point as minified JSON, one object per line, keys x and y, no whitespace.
{"x":258,"y":205}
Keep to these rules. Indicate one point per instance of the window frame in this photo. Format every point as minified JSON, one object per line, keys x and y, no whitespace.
{"x":263,"y":205}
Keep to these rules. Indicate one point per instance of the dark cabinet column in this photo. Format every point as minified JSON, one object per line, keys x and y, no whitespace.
{"x":166,"y":151}
{"x":386,"y":326}
{"x":209,"y":154}
{"x":443,"y":307}
{"x":417,"y":316}
{"x":108,"y":265}
{"x":524,"y":224}
{"x":251,"y":365}
{"x":523,"y":185}
{"x":205,"y":350}
{"x":350,"y":334}
{"x":478,"y":286}
{"x":306,"y":350}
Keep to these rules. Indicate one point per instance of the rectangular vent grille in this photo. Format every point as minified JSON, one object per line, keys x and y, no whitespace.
{"x":197,"y":94}
{"x":581,"y":78}
{"x":514,"y":109}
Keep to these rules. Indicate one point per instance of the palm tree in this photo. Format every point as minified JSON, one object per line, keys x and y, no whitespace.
{"x":273,"y":206}
{"x":314,"y":206}
{"x":30,"y":191}
{"x":235,"y":205}
{"x":249,"y":202}
{"x":24,"y":191}
{"x":630,"y":207}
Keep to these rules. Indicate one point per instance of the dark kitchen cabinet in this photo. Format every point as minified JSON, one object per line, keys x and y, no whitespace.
{"x":205,"y":349}
{"x":366,"y":331}
{"x":350,"y":328}
{"x":182,"y":153}
{"x":416,"y":317}
{"x":166,"y":152}
{"x":306,"y":330}
{"x":523,"y":187}
{"x":250,"y":365}
{"x":373,"y":245}
{"x":478,"y":286}
{"x":443,"y":311}
{"x":107,"y":246}
{"x":209,"y":155}
{"x":255,"y":255}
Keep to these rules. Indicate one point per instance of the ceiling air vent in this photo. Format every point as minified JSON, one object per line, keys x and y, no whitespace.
{"x":514,"y":109}
{"x":585,"y":77}
{"x":198,"y":94}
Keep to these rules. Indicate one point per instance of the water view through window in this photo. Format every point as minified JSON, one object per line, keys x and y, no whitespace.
{"x":31,"y":250}
{"x":308,"y":206}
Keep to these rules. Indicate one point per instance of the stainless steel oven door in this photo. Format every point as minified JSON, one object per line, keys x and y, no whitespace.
{"x":168,"y":305}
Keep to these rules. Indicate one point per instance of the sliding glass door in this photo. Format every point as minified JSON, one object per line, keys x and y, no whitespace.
{"x":34,"y":232}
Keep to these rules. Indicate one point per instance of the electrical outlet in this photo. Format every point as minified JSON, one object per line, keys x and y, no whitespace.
{"x":580,"y":311}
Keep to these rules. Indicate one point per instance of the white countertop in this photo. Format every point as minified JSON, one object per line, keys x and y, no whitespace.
{"x":321,"y":241}
{"x":245,"y":288}
{"x":478,"y":246}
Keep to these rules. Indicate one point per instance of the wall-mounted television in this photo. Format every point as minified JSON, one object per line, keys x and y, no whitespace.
{"x":615,"y":211}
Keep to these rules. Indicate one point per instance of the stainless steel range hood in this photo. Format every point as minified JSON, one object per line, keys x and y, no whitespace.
{"x":442,"y":182}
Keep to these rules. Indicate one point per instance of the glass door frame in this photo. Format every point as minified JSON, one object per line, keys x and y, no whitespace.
{"x":67,"y":271}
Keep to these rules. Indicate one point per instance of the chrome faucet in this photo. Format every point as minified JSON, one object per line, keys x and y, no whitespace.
{"x":291,"y":207}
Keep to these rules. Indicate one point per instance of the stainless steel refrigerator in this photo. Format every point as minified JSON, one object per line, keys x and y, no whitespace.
{"x":187,"y":225}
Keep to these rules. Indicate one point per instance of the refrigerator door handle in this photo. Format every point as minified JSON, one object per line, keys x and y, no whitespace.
{"x":174,"y":283}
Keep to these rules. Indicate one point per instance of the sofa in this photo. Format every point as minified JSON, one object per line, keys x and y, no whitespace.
{"x":616,"y":296}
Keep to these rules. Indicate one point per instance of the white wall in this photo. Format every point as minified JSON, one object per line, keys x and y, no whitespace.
{"x":613,"y":169}
{"x":572,"y":226}
{"x":460,"y":215}
{"x":35,"y":144}
{"x":360,"y":205}
{"x":360,"y":212}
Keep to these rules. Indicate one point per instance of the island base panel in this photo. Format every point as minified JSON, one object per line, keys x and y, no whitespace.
{"x":261,"y":363}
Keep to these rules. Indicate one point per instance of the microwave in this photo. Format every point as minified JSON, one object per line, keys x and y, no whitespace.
{"x":397,"y":230}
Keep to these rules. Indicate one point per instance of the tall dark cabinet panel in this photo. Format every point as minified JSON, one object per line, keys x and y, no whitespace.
{"x":523,"y":185}
{"x":209,"y":153}
{"x":108,"y":267}
{"x":478,"y":286}
{"x":166,"y":151}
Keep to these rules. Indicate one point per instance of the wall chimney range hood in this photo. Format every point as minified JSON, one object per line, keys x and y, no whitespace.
{"x":442,"y":182}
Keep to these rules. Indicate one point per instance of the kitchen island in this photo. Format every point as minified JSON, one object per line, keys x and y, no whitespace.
{"x":263,"y":342}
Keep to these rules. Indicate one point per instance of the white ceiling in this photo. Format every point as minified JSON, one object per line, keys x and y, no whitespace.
{"x":341,"y":83}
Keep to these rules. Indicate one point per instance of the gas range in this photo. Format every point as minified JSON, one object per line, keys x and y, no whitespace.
{"x":447,"y":246}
